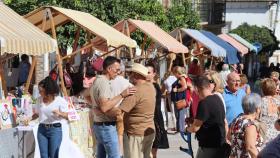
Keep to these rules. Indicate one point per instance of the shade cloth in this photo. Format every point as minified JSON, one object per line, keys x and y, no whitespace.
{"x":154,"y":32}
{"x":231,"y":57}
{"x":241,"y":48}
{"x":216,"y":50}
{"x":17,"y":35}
{"x":244,"y":42}
{"x":108,"y":35}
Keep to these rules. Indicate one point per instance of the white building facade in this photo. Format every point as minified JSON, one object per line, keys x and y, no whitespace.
{"x":254,"y":12}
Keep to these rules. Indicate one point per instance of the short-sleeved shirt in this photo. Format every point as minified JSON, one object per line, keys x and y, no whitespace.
{"x":139,"y":110}
{"x":168,"y":82}
{"x":101,"y":88}
{"x":45,"y":112}
{"x":212,"y":132}
{"x":233,"y":103}
{"x":119,"y":84}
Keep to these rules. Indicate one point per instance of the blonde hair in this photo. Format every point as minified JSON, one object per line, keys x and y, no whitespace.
{"x":274,"y":73}
{"x":215,"y":76}
{"x":244,"y":79}
{"x":179,"y":70}
{"x":268,"y":87}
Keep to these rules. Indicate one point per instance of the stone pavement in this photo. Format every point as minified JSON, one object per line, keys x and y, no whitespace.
{"x":175,"y":141}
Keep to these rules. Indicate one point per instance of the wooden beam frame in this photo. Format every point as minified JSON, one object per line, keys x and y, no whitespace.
{"x":3,"y":81}
{"x":181,"y":41}
{"x":59,"y":61}
{"x":34,"y":62}
{"x":77,"y":51}
{"x":126,"y":31}
{"x":143,"y":46}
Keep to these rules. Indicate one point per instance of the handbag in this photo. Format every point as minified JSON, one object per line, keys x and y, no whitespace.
{"x":180,"y":104}
{"x":67,"y":79}
{"x":97,"y":64}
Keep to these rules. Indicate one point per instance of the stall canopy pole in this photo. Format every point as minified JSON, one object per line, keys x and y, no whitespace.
{"x":2,"y":80}
{"x":77,"y":51}
{"x":143,"y":46}
{"x":34,"y":62}
{"x":34,"y":59}
{"x":181,"y":41}
{"x":76,"y":42}
{"x":128,"y":34}
{"x":59,"y":61}
{"x":172,"y":58}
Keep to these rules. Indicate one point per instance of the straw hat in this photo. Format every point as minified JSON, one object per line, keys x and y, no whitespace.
{"x":140,"y":69}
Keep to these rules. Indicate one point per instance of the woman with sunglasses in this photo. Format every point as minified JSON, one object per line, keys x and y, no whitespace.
{"x":217,"y":87}
{"x":52,"y":110}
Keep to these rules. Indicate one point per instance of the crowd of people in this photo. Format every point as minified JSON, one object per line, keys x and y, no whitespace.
{"x":229,"y":120}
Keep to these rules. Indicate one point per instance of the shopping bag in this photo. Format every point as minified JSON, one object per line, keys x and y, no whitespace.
{"x":72,"y":113}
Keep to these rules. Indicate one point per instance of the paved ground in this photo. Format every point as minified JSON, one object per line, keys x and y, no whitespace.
{"x":175,"y":141}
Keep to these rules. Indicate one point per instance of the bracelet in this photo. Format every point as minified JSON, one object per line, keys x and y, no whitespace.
{"x":121,"y":95}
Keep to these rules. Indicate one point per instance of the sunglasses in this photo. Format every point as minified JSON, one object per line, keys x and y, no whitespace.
{"x":211,"y":81}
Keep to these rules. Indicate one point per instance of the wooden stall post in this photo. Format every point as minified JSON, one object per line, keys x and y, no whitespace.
{"x":34,"y":62}
{"x":3,"y":81}
{"x":143,"y":46}
{"x":181,"y":41}
{"x":59,"y":61}
{"x":172,"y":57}
{"x":127,"y":32}
{"x":75,"y":44}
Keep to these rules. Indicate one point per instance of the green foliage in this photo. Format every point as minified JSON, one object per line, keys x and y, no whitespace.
{"x":263,"y":35}
{"x":112,"y":11}
{"x":181,"y":14}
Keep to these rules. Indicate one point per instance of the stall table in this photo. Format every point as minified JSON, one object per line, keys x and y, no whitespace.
{"x":20,"y":143}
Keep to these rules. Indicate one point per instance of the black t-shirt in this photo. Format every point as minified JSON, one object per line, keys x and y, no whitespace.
{"x":212,"y":132}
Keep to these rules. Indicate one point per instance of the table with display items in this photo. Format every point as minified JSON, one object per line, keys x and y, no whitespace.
{"x":19,"y":142}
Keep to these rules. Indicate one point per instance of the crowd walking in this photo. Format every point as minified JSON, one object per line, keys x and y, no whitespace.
{"x":228,"y":119}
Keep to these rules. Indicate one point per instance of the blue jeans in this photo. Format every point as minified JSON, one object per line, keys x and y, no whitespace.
{"x":107,"y":141}
{"x":49,"y":140}
{"x":180,"y":118}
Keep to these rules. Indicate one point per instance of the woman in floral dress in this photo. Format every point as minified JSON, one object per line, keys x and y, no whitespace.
{"x":245,"y":139}
{"x":269,"y":108}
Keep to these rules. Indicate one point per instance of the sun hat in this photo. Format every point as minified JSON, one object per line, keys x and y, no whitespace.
{"x":140,"y":69}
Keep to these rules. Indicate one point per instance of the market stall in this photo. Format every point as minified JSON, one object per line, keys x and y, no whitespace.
{"x":231,"y":56}
{"x":251,"y":62}
{"x":201,"y":46}
{"x":162,"y":42}
{"x":49,"y":18}
{"x":17,"y":35}
{"x":241,"y":48}
{"x":244,"y":42}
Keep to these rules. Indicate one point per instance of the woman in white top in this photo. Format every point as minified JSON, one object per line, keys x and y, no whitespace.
{"x":51,"y":109}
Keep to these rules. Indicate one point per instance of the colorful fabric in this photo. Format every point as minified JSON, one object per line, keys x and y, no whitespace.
{"x":267,"y":118}
{"x":238,"y":128}
{"x":81,"y":133}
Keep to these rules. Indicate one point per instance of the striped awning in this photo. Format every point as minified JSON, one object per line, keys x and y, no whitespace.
{"x":241,"y":48}
{"x":231,"y":57}
{"x":108,"y":35}
{"x":17,"y":35}
{"x":159,"y":36}
{"x":216,"y":50}
{"x":244,"y":42}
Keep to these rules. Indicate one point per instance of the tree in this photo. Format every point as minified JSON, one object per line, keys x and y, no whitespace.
{"x":181,"y":14}
{"x":112,"y":11}
{"x":263,"y":35}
